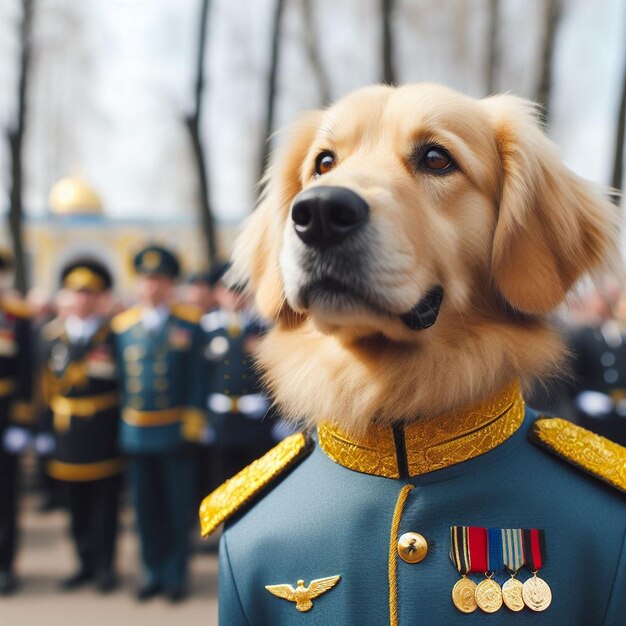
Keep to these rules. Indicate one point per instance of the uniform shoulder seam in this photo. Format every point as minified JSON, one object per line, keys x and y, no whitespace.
{"x":188,"y":313}
{"x":591,"y":453}
{"x":125,"y":320}
{"x":239,"y":490}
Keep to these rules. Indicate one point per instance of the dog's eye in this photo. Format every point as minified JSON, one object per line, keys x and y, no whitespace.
{"x":436,"y":159}
{"x":324,"y":162}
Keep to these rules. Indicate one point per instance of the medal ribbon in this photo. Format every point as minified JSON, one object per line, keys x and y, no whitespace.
{"x":494,"y":550}
{"x":477,"y":543}
{"x":513,"y":554}
{"x":459,"y":552}
{"x":535,"y":548}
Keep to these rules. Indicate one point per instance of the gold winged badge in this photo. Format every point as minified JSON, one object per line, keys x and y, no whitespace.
{"x":302,"y":595}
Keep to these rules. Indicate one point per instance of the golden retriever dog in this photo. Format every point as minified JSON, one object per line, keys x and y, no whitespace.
{"x":410,"y":244}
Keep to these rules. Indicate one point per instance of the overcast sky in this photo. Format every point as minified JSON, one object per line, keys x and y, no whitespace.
{"x":112,"y":80}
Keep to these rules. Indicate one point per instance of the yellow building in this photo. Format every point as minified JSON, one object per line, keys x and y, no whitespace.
{"x":78,"y":226}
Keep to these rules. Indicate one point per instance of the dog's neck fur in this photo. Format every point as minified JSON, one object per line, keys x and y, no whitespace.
{"x":317,"y":377}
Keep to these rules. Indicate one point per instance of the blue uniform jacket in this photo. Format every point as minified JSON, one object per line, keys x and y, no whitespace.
{"x":162,"y":381}
{"x":324,"y":519}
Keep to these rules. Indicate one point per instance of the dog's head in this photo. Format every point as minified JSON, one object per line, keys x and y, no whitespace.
{"x":419,"y":214}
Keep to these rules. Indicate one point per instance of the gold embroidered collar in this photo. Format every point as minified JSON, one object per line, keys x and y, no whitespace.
{"x":427,"y":445}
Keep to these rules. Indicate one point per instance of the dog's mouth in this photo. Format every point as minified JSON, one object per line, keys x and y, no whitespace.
{"x":329,"y":294}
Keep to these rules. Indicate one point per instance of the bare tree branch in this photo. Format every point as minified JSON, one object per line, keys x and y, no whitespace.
{"x":16,"y":138}
{"x":552,"y":15}
{"x":310,"y":43}
{"x":617,"y":179}
{"x":272,"y":82}
{"x":493,"y":57}
{"x":389,"y":70}
{"x":192,"y":122}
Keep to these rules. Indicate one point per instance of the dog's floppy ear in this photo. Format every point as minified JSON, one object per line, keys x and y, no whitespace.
{"x":552,"y":226}
{"x":257,"y":250}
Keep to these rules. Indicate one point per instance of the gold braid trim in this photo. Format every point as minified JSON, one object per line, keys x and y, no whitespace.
{"x":592,"y":453}
{"x":227,"y":499}
{"x":430,"y":444}
{"x":80,"y":472}
{"x":393,"y":555}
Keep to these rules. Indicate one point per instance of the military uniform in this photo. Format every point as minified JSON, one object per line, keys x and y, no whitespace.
{"x":339,"y":509}
{"x":82,"y":394}
{"x":15,"y":416}
{"x":163,"y":411}
{"x":238,"y":408}
{"x":598,"y":389}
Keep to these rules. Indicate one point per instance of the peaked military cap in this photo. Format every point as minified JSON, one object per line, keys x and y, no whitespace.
{"x":86,"y":275}
{"x":157,"y":260}
{"x":217,"y":272}
{"x":201,"y":278}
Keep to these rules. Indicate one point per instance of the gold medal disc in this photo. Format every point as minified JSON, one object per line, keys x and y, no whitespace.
{"x":512,"y":594}
{"x":537,"y":594}
{"x":463,"y":595}
{"x":488,"y":595}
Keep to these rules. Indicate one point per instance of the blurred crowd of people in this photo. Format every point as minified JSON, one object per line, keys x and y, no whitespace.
{"x":591,"y":390}
{"x":161,"y":398}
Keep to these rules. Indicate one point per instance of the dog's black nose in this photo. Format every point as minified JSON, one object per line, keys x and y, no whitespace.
{"x":324,"y":216}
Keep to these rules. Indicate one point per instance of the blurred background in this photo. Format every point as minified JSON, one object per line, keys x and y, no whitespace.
{"x":126,"y":122}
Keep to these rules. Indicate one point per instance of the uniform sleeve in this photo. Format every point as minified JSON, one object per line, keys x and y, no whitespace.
{"x":617,"y":602}
{"x":195,"y":412}
{"x":22,"y":408}
{"x":230,"y":609}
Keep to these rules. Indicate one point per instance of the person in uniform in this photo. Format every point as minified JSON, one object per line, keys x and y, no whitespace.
{"x":199,"y":292}
{"x":597,"y":387}
{"x":163,"y":411}
{"x":82,"y":395}
{"x":15,"y":415}
{"x":238,"y":406}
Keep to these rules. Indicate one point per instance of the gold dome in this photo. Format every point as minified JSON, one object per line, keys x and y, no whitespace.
{"x":73,"y":196}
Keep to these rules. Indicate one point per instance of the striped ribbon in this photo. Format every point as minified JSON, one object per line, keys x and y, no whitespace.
{"x":535,"y":542}
{"x":512,"y":548}
{"x":468,"y":548}
{"x":459,"y":552}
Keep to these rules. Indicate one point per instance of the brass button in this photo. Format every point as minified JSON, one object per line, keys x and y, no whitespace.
{"x":412,"y":547}
{"x":161,"y":384}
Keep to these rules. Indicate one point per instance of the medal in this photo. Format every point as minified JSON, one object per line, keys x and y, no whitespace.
{"x":463,"y":592}
{"x":536,"y":591}
{"x":512,"y":558}
{"x":486,"y":556}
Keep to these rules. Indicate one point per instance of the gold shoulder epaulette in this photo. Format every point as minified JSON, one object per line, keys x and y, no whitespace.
{"x":17,"y":307}
{"x":239,"y":490}
{"x":187,"y":313}
{"x":125,"y":320}
{"x":592,"y":453}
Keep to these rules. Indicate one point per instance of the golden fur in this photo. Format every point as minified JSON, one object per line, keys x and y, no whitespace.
{"x":506,"y":236}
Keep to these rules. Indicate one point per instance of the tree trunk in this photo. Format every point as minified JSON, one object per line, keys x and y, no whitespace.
{"x":193,"y":125}
{"x":617,"y":180}
{"x":389,"y":70}
{"x":492,"y":49}
{"x":16,"y":139}
{"x":310,"y":42}
{"x":552,"y":14}
{"x":272,"y":85}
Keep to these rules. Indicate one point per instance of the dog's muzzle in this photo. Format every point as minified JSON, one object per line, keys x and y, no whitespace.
{"x":330,"y":222}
